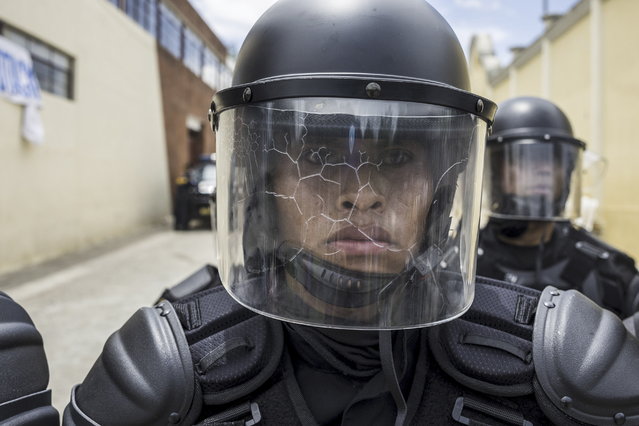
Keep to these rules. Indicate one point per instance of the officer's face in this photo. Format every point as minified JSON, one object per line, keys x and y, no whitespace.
{"x":533,"y":175}
{"x":361,"y":205}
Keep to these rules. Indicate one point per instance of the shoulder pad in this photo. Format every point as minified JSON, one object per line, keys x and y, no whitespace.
{"x":489,"y":348}
{"x":143,"y":376}
{"x":234,"y":350}
{"x":24,"y":374}
{"x":632,"y":324}
{"x":205,"y":277}
{"x":585,"y":361}
{"x":590,"y":245}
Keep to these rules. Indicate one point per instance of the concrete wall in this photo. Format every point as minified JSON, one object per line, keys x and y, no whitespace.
{"x":587,"y":64}
{"x":570,"y":77}
{"x":529,"y":77}
{"x":101,"y":172}
{"x":620,"y":112}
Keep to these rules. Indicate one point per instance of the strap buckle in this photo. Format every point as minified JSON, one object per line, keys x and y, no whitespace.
{"x":505,"y":414}
{"x":233,"y":416}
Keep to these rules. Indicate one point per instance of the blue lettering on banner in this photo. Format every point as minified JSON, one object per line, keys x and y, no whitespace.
{"x":17,"y":78}
{"x":4,"y":77}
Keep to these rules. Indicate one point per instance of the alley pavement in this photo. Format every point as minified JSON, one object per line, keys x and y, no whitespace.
{"x":77,"y":306}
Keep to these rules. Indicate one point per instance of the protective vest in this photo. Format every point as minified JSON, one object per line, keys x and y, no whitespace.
{"x":573,"y":259}
{"x":246,"y":375}
{"x":518,"y":356}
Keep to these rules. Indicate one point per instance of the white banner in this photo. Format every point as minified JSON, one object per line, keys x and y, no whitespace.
{"x":19,"y":84}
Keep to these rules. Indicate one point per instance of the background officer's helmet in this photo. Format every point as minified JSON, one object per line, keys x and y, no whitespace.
{"x":533,"y":169}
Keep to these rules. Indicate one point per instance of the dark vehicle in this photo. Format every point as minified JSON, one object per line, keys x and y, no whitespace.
{"x":195,"y":193}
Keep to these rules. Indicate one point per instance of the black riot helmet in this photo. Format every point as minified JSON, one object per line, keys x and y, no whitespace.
{"x":347,"y":149}
{"x":533,"y":169}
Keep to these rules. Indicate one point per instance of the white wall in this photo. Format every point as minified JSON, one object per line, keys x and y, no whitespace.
{"x":102,"y":170}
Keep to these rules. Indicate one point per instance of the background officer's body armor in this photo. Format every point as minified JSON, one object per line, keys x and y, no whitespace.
{"x":572,"y":259}
{"x":533,"y":178}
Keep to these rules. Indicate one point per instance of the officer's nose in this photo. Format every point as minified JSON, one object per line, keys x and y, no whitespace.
{"x":363,"y":196}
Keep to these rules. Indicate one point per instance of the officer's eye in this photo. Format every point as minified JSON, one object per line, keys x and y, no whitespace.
{"x":318,"y":156}
{"x":396,"y":157}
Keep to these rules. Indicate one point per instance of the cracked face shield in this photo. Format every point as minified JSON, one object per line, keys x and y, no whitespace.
{"x":339,"y":212}
{"x":534,"y":180}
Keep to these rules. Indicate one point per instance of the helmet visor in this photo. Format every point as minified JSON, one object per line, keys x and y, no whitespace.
{"x":338,"y":212}
{"x":533,"y":180}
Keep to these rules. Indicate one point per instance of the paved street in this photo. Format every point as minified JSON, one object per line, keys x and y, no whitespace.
{"x":77,"y":306}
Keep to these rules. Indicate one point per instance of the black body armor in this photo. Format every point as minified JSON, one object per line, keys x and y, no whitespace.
{"x":517,"y":356}
{"x":24,"y":374}
{"x":572,"y":259}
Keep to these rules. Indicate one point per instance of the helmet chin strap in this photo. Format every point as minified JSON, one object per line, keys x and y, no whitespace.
{"x":516,"y":204}
{"x":348,"y":288}
{"x":391,"y":376}
{"x":512,"y":228}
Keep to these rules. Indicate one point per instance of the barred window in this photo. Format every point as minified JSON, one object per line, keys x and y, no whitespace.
{"x":192,"y":52}
{"x":226,"y":77}
{"x":170,"y":31}
{"x":53,"y":67}
{"x":211,"y":69}
{"x":143,"y":12}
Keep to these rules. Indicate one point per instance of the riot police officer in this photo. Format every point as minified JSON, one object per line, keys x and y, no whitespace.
{"x":533,"y":187}
{"x":24,"y":373}
{"x":348,"y":147}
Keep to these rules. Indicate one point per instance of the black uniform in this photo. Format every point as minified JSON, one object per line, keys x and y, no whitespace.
{"x":518,"y":356}
{"x":572,"y":259}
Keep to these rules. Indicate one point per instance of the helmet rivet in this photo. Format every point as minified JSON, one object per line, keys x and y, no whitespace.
{"x":174,"y":418}
{"x":547,"y":137}
{"x":373,"y":90}
{"x":480,"y":105}
{"x":549,"y":305}
{"x":620,"y":419}
{"x":566,"y":401}
{"x":500,"y":138}
{"x":247,"y":94}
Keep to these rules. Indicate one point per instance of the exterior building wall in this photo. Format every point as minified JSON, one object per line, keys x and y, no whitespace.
{"x":197,"y":23}
{"x":591,"y":73}
{"x":501,"y":92}
{"x":478,"y":79}
{"x":185,"y":98}
{"x":620,"y":116}
{"x":101,"y":172}
{"x":570,"y":79}
{"x":529,"y":77}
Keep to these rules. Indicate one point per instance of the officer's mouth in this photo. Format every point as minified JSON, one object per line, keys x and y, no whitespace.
{"x":360,"y":241}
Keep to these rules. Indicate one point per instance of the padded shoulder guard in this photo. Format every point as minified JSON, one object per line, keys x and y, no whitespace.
{"x":612,"y":262}
{"x":586,"y":363}
{"x":24,"y":374}
{"x":144,"y":376}
{"x":234,"y":350}
{"x":489,"y":348}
